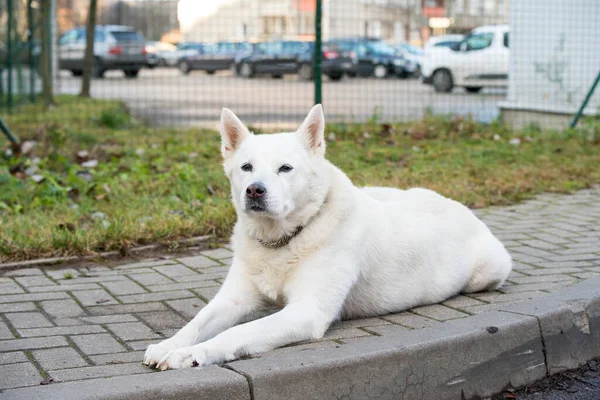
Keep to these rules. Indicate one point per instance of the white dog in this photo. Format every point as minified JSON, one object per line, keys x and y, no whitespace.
{"x":310,"y":242}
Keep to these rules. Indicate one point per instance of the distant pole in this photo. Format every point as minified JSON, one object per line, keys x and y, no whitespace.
{"x":30,"y":47}
{"x":318,"y":53}
{"x":9,"y":51}
{"x":585,"y":102}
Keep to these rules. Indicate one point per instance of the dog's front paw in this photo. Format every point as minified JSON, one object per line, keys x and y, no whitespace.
{"x":156,"y":352}
{"x":184,"y":357}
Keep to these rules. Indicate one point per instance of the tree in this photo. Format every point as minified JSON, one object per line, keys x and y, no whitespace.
{"x":46,"y":53}
{"x":88,"y":61}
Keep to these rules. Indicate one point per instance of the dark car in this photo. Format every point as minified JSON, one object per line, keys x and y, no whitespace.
{"x":335,"y":62}
{"x":375,"y":57}
{"x":214,"y":57}
{"x":271,"y":58}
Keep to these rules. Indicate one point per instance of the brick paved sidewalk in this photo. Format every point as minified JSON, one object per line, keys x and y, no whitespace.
{"x":79,"y":323}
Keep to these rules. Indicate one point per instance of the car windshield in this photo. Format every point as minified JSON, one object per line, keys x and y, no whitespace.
{"x":417,"y":51}
{"x":381,"y":48}
{"x":127,"y":36}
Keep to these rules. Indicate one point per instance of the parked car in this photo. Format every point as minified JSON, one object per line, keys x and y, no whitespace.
{"x":214,"y":57}
{"x":447,"y":41}
{"x":171,"y":58}
{"x":413,"y":57}
{"x":480,"y":60}
{"x":115,"y":47}
{"x":271,"y":58}
{"x":335,"y":62}
{"x":155,"y":51}
{"x":375,"y":57}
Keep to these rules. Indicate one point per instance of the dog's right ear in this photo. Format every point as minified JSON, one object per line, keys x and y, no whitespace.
{"x":233,"y":132}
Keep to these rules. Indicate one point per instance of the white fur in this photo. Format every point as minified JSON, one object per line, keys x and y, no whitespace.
{"x":362,"y":252}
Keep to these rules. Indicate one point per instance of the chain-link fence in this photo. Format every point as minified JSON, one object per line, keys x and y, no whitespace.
{"x":178,"y":63}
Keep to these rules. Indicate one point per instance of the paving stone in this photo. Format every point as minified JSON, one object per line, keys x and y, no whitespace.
{"x":67,"y":321}
{"x":5,"y":333}
{"x":11,"y":288}
{"x":123,"y":287}
{"x":546,"y":286}
{"x":586,"y":275}
{"x":359,"y":323}
{"x":157,"y":296}
{"x":410,"y":320}
{"x":194,"y":284}
{"x":126,"y":308}
{"x":61,"y":330}
{"x":118,"y":358}
{"x":160,"y":321}
{"x":19,"y":375}
{"x":438,"y":312}
{"x":218,"y":253}
{"x":17,"y":307}
{"x":541,"y":244}
{"x":172,"y":271}
{"x":62,"y":274}
{"x":95,"y":279}
{"x":461,"y":301}
{"x":142,"y":345}
{"x":553,"y":271}
{"x":334,"y":334}
{"x":62,"y":308}
{"x":146,"y":264}
{"x":381,"y":330}
{"x":62,"y":357}
{"x":75,"y":374}
{"x":198,"y":261}
{"x":549,"y":238}
{"x":207,"y":293}
{"x":13,"y":357}
{"x":24,"y":272}
{"x":496,"y":297}
{"x":187,"y":307}
{"x":109,"y":319}
{"x":28,"y":320}
{"x":576,"y":257}
{"x":15,"y":298}
{"x":532,"y":252}
{"x":152,"y":278}
{"x":97,"y":344}
{"x":593,"y":249}
{"x":94,"y":297}
{"x":209,"y":278}
{"x":36,"y":343}
{"x":542,"y":278}
{"x":132,"y":331}
{"x":64,"y":288}
{"x":40,"y":280}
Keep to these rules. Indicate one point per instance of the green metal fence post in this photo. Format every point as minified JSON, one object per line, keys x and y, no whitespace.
{"x":9,"y":54}
{"x":585,"y":102}
{"x":317,"y":56}
{"x":31,"y":59}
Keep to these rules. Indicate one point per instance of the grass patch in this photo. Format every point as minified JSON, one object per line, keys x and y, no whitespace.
{"x":97,"y":180}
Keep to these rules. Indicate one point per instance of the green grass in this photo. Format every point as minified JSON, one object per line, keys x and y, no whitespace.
{"x":161,"y":185}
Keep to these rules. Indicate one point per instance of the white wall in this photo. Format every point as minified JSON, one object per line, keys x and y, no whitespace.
{"x":555,"y":55}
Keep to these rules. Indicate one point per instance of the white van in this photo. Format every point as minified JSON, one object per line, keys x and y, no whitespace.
{"x":480,"y":60}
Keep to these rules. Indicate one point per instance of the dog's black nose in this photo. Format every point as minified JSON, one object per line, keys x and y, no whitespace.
{"x":256,"y":190}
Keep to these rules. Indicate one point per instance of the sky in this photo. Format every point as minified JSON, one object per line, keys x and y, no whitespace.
{"x":190,"y":10}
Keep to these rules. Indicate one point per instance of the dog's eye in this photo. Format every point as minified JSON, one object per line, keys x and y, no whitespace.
{"x":247,"y":167}
{"x":285,"y":168}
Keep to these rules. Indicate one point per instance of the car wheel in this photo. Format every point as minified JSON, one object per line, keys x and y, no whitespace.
{"x":151,"y":66}
{"x":77,"y":73}
{"x":380,"y":71}
{"x":335,"y":77}
{"x":352,"y":74}
{"x":305,"y":72}
{"x":131,"y":73}
{"x":185,"y":67}
{"x":246,"y":70}
{"x":98,"y":69}
{"x":277,"y":76}
{"x":473,"y":89}
{"x":211,"y":72}
{"x":442,"y":81}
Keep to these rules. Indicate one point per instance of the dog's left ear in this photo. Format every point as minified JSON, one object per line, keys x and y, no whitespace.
{"x":312,"y":130}
{"x":233,"y":132}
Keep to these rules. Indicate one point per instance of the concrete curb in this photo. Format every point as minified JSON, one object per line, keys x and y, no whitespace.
{"x":107,"y":254}
{"x":471,"y":357}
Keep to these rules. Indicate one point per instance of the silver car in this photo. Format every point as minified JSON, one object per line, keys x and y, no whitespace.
{"x":115,"y":47}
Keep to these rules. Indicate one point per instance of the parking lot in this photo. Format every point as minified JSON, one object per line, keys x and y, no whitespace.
{"x":164,"y":96}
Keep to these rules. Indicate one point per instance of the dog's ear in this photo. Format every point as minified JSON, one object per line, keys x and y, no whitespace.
{"x":312,"y":130}
{"x":233,"y":132}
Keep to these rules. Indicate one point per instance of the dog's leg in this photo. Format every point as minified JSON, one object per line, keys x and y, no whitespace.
{"x":315,"y":300}
{"x":237,"y":301}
